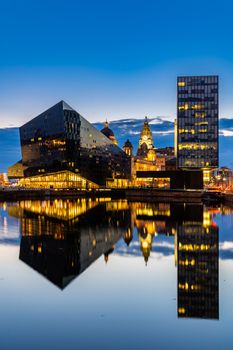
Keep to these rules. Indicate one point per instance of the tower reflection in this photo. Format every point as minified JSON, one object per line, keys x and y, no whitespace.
{"x":196,"y":252}
{"x":198,"y":272}
{"x":61,"y":239}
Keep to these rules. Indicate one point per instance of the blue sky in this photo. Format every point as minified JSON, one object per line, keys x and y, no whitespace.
{"x":114,"y":59}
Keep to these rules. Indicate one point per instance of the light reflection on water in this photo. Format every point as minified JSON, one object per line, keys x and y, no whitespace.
{"x":128,"y":274}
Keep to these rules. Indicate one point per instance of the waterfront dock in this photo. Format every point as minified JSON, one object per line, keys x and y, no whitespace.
{"x":132,"y":194}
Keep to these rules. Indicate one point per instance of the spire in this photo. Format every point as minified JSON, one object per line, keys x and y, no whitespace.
{"x":106,"y":254}
{"x":106,"y":257}
{"x":146,"y":245}
{"x":106,"y":123}
{"x":128,"y":236}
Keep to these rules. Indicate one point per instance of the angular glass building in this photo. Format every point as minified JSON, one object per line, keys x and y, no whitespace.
{"x":61,"y":149}
{"x":197,"y":122}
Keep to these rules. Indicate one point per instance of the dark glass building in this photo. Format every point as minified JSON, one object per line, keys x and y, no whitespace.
{"x":62,"y":149}
{"x":197,"y":122}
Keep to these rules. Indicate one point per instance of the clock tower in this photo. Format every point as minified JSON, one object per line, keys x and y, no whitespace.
{"x":146,"y":140}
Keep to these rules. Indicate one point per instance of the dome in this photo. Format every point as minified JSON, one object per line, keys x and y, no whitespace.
{"x":108,"y":133}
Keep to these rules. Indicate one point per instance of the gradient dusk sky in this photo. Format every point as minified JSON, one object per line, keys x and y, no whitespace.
{"x":114,"y":59}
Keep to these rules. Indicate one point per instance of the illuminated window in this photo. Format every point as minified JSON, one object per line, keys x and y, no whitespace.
{"x":184,"y":107}
{"x":198,"y":107}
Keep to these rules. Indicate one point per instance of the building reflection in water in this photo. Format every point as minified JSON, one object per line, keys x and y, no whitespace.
{"x":198,"y":272}
{"x":61,"y":239}
{"x":196,"y":252}
{"x":151,"y":219}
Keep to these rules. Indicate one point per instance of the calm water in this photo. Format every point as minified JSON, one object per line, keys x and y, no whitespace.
{"x":115,"y":275}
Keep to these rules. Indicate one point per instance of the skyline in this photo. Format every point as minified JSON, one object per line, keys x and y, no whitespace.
{"x":116,"y":174}
{"x":110,"y":60}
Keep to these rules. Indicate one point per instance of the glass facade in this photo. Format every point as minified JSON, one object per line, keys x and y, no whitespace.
{"x":59,"y":180}
{"x":61,"y":139}
{"x":16,"y":171}
{"x":197,"y":122}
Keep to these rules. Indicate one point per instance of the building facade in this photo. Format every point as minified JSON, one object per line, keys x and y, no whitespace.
{"x":62,"y":149}
{"x":3,"y":179}
{"x":197,"y":122}
{"x":146,"y":158}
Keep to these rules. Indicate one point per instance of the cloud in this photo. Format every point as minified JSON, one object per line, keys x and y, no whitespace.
{"x":227,"y":245}
{"x":131,"y":132}
{"x":225,"y":132}
{"x":156,"y":121}
{"x":123,"y":121}
{"x":167,"y":132}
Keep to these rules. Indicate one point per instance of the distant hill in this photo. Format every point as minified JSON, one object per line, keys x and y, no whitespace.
{"x":163,"y":133}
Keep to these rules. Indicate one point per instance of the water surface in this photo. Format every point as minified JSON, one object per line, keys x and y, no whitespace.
{"x":84,"y":274}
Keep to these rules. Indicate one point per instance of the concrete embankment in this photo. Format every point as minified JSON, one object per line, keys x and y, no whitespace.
{"x":164,"y":195}
{"x":21,"y":194}
{"x":132,"y":194}
{"x":228,"y":198}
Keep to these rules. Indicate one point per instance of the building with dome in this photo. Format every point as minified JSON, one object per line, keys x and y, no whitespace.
{"x":109,"y":133}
